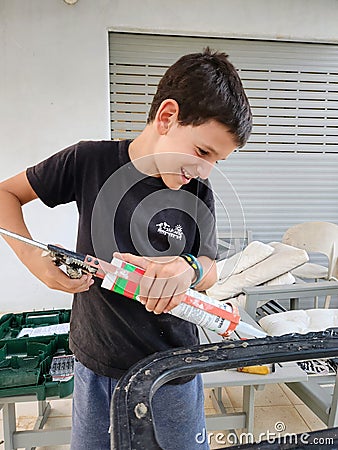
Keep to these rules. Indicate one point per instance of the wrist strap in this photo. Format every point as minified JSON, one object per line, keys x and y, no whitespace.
{"x":196,"y":265}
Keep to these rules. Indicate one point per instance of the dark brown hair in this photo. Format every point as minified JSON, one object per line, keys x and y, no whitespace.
{"x":206,"y":86}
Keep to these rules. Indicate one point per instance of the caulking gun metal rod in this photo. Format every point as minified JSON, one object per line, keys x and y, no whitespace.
{"x":23,"y":239}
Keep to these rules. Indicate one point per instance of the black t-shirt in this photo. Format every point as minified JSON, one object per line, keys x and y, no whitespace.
{"x":121,"y":209}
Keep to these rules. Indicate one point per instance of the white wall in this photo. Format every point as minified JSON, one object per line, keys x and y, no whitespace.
{"x":54,"y":86}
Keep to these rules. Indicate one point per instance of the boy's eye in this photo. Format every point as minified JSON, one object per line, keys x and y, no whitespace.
{"x":202,"y":152}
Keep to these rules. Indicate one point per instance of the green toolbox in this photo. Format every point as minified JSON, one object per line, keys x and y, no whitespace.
{"x":34,"y":354}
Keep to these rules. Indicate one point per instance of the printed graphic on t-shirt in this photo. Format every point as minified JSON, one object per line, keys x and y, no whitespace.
{"x":173,"y":232}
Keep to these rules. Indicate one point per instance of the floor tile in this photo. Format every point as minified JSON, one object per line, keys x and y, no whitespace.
{"x":207,"y":398}
{"x":294,"y":399}
{"x":226,"y":399}
{"x":26,"y":409}
{"x":271,"y":395}
{"x":313,"y":422}
{"x":62,"y":407}
{"x":235,"y":394}
{"x":25,"y":422}
{"x":278,"y":419}
{"x":208,"y":411}
{"x":208,"y":403}
{"x":58,"y":422}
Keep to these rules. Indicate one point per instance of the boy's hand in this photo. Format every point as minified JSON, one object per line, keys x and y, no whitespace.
{"x":52,"y":276}
{"x":165,"y":282}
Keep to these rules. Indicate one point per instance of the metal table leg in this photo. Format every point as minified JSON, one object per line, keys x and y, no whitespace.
{"x":248,"y":407}
{"x":9,"y":424}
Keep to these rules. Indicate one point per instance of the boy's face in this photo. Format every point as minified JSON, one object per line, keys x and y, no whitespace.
{"x":186,"y":152}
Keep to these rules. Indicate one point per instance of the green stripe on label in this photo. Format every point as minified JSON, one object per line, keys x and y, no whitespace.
{"x":130,"y":267}
{"x":120,"y":285}
{"x":137,"y":292}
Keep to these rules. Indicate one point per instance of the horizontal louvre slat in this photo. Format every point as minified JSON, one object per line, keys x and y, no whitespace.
{"x":135,"y":98}
{"x":296,"y":129}
{"x":314,"y":77}
{"x":134,"y":70}
{"x":298,"y":139}
{"x":297,"y":121}
{"x":129,"y":107}
{"x":277,"y":112}
{"x":136,"y":80}
{"x":130,"y":126}
{"x":290,"y":148}
{"x":127,"y":117}
{"x":117,"y":134}
{"x":132,"y":89}
{"x":294,"y":104}
{"x":289,"y":85}
{"x":293,"y":95}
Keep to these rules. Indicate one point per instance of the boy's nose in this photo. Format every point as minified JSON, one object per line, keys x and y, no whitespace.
{"x":204,"y":168}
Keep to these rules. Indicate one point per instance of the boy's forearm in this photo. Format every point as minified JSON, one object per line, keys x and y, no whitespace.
{"x":14,"y":193}
{"x":209,"y":273}
{"x":11,"y":218}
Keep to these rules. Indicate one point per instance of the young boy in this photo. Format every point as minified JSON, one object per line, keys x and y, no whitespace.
{"x":148,"y":201}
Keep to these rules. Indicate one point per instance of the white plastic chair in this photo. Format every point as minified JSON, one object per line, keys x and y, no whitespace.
{"x":316,"y":237}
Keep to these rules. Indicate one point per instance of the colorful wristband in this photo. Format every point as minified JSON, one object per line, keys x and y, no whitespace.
{"x":196,"y":265}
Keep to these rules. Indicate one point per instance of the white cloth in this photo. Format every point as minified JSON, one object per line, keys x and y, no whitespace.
{"x":282,"y":260}
{"x":299,"y":321}
{"x":285,"y":278}
{"x":252,"y":254}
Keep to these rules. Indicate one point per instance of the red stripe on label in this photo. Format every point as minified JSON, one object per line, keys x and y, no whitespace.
{"x":130,"y":289}
{"x":200,"y":304}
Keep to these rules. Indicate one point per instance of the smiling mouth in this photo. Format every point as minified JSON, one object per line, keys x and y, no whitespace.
{"x":186,"y":175}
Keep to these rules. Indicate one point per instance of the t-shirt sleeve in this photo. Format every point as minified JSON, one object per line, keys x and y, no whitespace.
{"x":53,"y":179}
{"x":206,"y":244}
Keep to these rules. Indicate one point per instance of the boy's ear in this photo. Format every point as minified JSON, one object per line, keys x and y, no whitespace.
{"x":166,"y":115}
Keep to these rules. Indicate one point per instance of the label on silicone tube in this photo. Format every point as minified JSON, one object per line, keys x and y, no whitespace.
{"x":196,"y":308}
{"x":118,"y":281}
{"x":202,"y":318}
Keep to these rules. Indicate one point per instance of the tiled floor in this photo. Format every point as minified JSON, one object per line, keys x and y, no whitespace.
{"x":275,"y":407}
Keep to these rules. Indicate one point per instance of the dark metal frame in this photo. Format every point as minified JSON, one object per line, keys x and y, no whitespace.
{"x":132,"y":425}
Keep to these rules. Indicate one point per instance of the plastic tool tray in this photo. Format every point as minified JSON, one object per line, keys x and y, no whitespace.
{"x":25,"y":359}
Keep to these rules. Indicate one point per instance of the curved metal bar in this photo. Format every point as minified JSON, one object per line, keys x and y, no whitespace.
{"x":132,"y":425}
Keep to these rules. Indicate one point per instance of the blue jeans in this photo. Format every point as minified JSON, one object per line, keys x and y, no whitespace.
{"x":178,"y":412}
